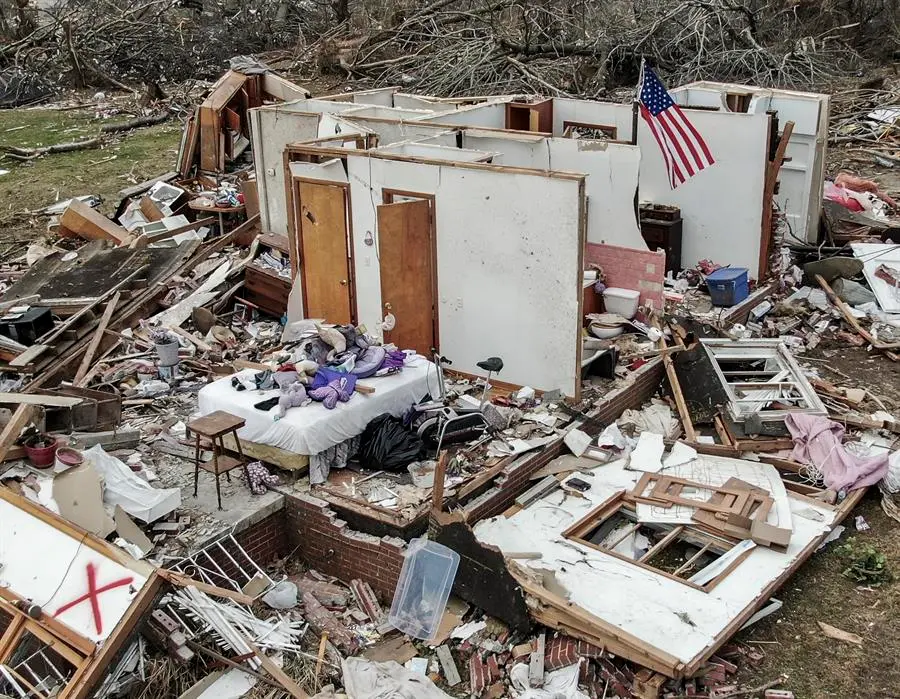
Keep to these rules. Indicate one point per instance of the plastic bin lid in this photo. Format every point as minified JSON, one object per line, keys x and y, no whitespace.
{"x":727,"y":274}
{"x":423,"y":588}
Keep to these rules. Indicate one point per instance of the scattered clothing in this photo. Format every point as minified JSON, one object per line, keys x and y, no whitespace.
{"x":267,"y":404}
{"x":817,"y":441}
{"x":338,"y":390}
{"x":320,"y":464}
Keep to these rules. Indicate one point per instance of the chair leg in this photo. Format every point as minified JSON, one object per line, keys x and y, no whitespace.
{"x":196,"y":462}
{"x":240,"y":451}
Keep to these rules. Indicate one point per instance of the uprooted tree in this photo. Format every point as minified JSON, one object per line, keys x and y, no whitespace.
{"x":448,"y":47}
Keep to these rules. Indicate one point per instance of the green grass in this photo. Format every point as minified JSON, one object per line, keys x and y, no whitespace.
{"x":124,"y":160}
{"x":818,"y":666}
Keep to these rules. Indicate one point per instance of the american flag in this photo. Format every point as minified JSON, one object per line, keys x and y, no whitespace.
{"x":683,"y":148}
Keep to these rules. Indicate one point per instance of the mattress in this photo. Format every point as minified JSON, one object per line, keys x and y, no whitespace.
{"x":313,"y":428}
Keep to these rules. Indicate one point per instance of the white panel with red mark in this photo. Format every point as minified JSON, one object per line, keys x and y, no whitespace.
{"x":69,"y":580}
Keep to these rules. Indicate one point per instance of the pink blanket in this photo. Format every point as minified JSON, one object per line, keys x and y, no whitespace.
{"x":818,"y":441}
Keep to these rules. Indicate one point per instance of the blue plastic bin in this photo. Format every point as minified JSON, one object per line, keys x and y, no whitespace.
{"x":728,"y":286}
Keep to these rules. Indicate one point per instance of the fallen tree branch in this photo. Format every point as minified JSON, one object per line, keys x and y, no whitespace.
{"x":29,"y":153}
{"x":136,"y":123}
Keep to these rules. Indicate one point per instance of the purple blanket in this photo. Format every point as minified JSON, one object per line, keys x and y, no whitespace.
{"x":818,"y":441}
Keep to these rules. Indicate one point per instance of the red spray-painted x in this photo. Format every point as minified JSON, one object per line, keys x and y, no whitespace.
{"x":92,"y":594}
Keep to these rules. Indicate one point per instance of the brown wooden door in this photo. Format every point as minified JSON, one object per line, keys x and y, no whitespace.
{"x":324,"y":254}
{"x":408,"y":275}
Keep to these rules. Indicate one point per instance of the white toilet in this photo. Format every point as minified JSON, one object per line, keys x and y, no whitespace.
{"x":621,"y":301}
{"x":621,"y":304}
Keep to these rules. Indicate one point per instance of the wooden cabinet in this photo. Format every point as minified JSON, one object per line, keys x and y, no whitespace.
{"x":263,"y":286}
{"x":661,"y":229}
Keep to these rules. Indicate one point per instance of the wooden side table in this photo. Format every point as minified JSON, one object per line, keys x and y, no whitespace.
{"x":214,"y":427}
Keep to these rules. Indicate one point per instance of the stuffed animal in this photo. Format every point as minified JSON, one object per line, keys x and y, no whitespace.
{"x":293,"y":396}
{"x":332,"y":337}
{"x":331,"y":393}
{"x":260,"y":478}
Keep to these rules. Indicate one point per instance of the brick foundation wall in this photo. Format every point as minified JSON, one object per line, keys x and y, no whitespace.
{"x":265,"y":540}
{"x":327,"y":544}
{"x":627,"y":268}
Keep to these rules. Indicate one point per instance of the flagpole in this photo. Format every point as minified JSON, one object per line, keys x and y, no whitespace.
{"x":635,"y":106}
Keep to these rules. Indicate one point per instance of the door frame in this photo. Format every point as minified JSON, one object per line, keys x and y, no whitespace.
{"x":296,"y":243}
{"x":387,"y":197}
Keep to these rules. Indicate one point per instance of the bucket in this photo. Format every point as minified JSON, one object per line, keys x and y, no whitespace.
{"x":42,"y":457}
{"x":66,"y":458}
{"x":167,"y":352}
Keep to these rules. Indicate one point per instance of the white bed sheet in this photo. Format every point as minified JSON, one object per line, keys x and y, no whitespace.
{"x":313,"y":428}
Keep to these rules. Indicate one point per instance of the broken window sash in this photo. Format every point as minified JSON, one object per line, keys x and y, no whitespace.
{"x":683,"y":553}
{"x":761,"y":377}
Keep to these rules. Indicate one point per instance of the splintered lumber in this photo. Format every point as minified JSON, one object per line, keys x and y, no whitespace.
{"x":853,"y":322}
{"x":683,"y":412}
{"x":146,"y":239}
{"x":30,"y":153}
{"x":770,"y":183}
{"x":536,"y":663}
{"x":95,"y":340}
{"x":182,"y":580}
{"x":39,"y":399}
{"x":19,"y":420}
{"x":81,"y":220}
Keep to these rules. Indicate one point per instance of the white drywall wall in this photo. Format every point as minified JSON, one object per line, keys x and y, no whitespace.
{"x":722,"y":205}
{"x":611,"y":185}
{"x":380,"y":96}
{"x":436,"y":152}
{"x":48,"y":567}
{"x":589,"y":112}
{"x":390,"y":113}
{"x":390,"y":131}
{"x":800,"y":180}
{"x":612,"y":170}
{"x":489,"y":115}
{"x":509,"y":273}
{"x":272,"y":128}
{"x":403,"y":100}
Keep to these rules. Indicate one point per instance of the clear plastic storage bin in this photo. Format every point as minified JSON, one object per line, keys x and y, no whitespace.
{"x":423,"y":588}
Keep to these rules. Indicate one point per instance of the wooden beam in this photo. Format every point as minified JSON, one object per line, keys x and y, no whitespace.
{"x":770,"y":183}
{"x":182,"y":580}
{"x":40,"y":399}
{"x":437,"y":489}
{"x":145,"y":239}
{"x":95,"y":340}
{"x":19,"y":420}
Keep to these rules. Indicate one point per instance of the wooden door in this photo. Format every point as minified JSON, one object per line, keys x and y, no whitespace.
{"x":408,"y":274}
{"x":324,"y":254}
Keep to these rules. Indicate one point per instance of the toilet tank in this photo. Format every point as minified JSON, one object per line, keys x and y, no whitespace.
{"x":621,"y":301}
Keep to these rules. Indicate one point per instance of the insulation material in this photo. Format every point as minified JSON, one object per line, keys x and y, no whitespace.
{"x":132,"y":493}
{"x":664,"y":613}
{"x":60,"y":579}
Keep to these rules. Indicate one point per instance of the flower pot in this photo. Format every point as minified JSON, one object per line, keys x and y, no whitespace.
{"x":42,"y":456}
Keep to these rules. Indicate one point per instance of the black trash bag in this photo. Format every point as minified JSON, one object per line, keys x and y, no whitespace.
{"x":386,"y":445}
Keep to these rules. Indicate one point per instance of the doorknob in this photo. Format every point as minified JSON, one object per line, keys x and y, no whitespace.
{"x":343,"y":282}
{"x":388,"y":306}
